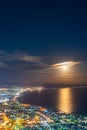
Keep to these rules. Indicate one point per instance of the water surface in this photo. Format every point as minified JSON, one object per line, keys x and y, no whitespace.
{"x":69,"y":100}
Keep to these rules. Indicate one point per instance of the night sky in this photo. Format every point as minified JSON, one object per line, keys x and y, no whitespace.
{"x":36,"y":35}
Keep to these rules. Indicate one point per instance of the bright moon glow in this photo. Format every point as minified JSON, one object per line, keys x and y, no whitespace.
{"x":65,"y":65}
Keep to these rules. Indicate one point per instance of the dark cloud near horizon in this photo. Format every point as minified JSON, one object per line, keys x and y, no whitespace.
{"x":20,"y":67}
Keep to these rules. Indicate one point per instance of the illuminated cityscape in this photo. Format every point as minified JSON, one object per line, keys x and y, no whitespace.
{"x":17,"y":116}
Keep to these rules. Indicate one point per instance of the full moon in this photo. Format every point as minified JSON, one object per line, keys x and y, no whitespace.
{"x":64,"y":67}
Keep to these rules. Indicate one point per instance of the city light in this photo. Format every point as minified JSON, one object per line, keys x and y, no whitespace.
{"x":15,"y":115}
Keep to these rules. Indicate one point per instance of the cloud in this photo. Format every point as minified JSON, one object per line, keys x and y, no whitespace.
{"x":21,"y":60}
{"x":18,"y":56}
{"x":32,"y":59}
{"x":68,"y":63}
{"x":2,"y":65}
{"x":23,"y":67}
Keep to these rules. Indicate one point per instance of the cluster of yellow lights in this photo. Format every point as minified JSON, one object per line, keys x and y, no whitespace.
{"x":9,"y":124}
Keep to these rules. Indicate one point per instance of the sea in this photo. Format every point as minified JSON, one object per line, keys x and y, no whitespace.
{"x":65,"y":99}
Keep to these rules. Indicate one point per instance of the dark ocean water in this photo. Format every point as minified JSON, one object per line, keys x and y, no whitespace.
{"x":69,"y":100}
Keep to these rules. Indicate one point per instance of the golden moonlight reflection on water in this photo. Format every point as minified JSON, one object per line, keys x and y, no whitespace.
{"x":65,"y":100}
